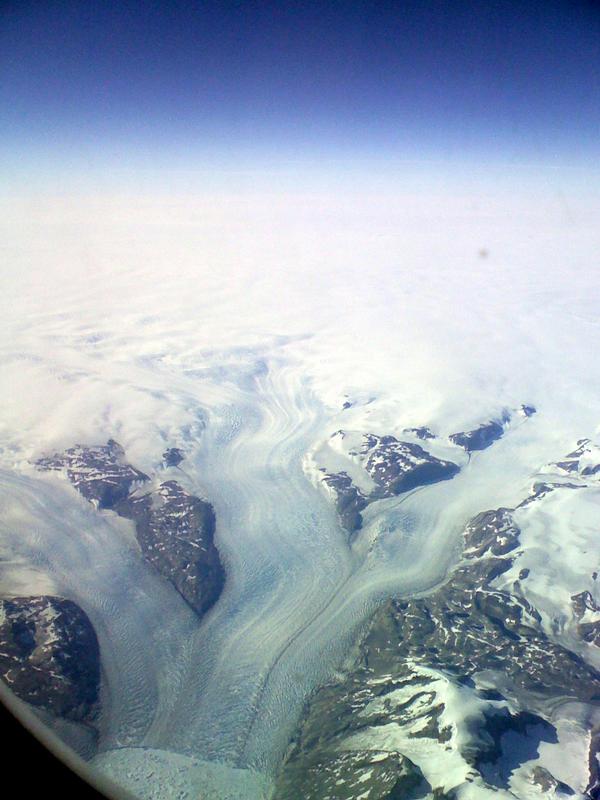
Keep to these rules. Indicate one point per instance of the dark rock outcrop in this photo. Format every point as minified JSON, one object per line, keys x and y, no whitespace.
{"x":416,"y":647}
{"x":422,"y":432}
{"x":548,"y":783}
{"x":175,"y":530}
{"x":173,"y":456}
{"x":593,"y":787}
{"x":397,"y":467}
{"x":588,"y":630}
{"x":467,"y":627}
{"x":480,"y":438}
{"x":347,"y":774}
{"x":49,"y":655}
{"x":349,"y":501}
{"x":491,"y":532}
{"x":528,"y":411}
{"x":575,"y":462}
{"x":99,"y":473}
{"x":393,"y":466}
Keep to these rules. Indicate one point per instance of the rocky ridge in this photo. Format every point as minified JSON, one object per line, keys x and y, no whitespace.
{"x":99,"y":473}
{"x":480,"y":438}
{"x":383,"y":466}
{"x":49,"y":656}
{"x":393,"y":467}
{"x":487,"y":433}
{"x":174,"y":529}
{"x":452,"y":692}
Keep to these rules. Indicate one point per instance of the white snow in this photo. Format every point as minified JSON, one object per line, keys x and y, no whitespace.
{"x":441,"y":762}
{"x":559,"y":547}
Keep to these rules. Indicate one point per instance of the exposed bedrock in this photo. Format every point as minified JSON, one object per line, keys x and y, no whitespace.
{"x":480,"y":438}
{"x":491,"y":532}
{"x":350,"y":773}
{"x":390,"y":467}
{"x":349,"y":501}
{"x":467,"y":627}
{"x":175,"y":529}
{"x":397,"y":467}
{"x":584,"y":606}
{"x":49,"y":656}
{"x":583,"y":462}
{"x":393,"y":467}
{"x":487,"y":433}
{"x":453,"y":687}
{"x":422,"y":432}
{"x":173,"y":456}
{"x":100,"y":473}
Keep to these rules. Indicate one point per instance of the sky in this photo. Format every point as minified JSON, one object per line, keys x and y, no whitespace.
{"x":154,"y":94}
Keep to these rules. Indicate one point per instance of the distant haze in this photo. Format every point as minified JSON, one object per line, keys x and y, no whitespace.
{"x":122,"y":95}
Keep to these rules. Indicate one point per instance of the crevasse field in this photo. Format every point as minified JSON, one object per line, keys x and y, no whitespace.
{"x":236,"y":328}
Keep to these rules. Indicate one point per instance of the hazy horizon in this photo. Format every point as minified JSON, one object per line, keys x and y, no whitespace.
{"x":155,"y":97}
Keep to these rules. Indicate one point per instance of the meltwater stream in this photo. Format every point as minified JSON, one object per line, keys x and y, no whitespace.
{"x":212,"y":706}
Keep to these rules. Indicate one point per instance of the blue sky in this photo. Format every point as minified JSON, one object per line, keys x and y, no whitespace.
{"x":139,"y":91}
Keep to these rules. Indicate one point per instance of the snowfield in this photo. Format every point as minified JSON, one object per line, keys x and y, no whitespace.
{"x":247,"y":331}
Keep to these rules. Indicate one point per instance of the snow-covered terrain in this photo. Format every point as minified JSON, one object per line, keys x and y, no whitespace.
{"x":247,"y":331}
